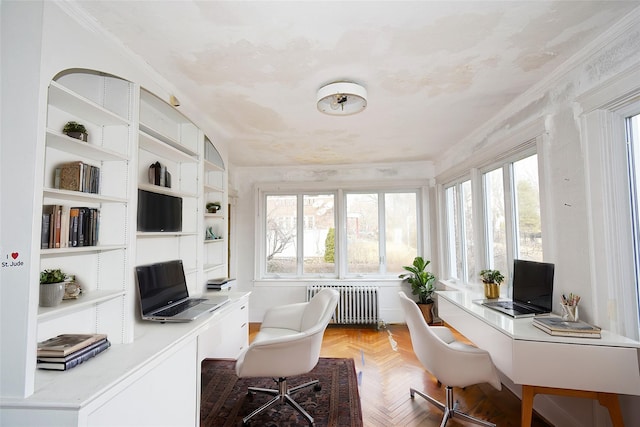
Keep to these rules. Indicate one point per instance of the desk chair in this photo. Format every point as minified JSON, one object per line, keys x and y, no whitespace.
{"x":453,"y":363}
{"x":288,"y":344}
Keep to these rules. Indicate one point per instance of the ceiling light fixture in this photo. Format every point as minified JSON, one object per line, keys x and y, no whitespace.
{"x":342,"y":99}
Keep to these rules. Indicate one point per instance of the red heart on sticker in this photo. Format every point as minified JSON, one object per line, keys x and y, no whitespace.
{"x":14,"y":255}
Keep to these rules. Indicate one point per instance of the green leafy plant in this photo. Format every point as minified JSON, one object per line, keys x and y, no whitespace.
{"x":421,"y":281}
{"x":52,"y":276}
{"x":74,"y":127}
{"x":491,"y":276}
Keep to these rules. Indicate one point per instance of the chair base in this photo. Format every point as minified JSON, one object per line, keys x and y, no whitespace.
{"x":450,"y":409}
{"x":282,"y":395}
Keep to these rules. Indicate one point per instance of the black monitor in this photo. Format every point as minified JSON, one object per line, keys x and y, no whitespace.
{"x":159,"y":212}
{"x":533,"y":283}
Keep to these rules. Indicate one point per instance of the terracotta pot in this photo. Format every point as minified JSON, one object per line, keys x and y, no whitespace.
{"x":491,"y":290}
{"x":427,"y":311}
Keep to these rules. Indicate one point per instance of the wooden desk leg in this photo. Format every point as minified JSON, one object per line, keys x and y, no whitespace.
{"x":608,"y":400}
{"x":611,"y":402}
{"x":528,"y":394}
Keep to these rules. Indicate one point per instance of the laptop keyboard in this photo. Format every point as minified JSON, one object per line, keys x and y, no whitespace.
{"x":178,"y":308}
{"x":514,"y":306}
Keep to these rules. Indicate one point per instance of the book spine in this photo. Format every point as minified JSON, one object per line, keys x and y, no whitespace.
{"x":58,"y":224}
{"x":44,"y":232}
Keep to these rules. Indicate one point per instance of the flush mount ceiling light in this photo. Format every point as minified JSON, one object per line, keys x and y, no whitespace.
{"x":342,"y":99}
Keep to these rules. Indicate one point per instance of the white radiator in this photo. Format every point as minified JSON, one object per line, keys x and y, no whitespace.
{"x":357,"y":304}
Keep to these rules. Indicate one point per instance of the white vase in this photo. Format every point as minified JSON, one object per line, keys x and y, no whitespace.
{"x":51,"y":294}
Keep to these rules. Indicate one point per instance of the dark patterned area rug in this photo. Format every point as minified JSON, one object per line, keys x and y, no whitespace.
{"x":225,"y":401}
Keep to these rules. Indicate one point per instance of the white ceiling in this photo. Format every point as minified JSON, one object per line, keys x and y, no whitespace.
{"x":434,"y":70}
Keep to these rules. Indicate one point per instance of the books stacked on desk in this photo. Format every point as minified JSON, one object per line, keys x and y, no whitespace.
{"x":555,"y":325}
{"x":219,"y":284}
{"x":69,"y":350}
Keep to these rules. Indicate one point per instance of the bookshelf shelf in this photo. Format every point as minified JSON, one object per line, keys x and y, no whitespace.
{"x":80,"y":250}
{"x":212,"y":167}
{"x":77,"y":196}
{"x":87,"y":299}
{"x":165,"y":147}
{"x":79,"y":106}
{"x":62,"y":142}
{"x":208,"y":241}
{"x":165,"y":190}
{"x":208,"y":188}
{"x":148,"y":234}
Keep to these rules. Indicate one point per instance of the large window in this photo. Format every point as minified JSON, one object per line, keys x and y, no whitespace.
{"x":301,"y":236}
{"x":508,"y":222}
{"x":460,"y":237}
{"x":633,"y":145}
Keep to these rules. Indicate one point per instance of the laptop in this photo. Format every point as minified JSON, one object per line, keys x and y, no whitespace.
{"x":532,"y":290}
{"x":164,"y":296}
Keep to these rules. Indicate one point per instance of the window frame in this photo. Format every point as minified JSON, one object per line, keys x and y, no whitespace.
{"x":476,"y":175}
{"x":340,"y":193}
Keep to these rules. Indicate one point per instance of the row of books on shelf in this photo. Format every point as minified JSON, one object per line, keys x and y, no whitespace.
{"x":64,"y":226}
{"x":77,"y":176}
{"x":556,"y":325}
{"x":67,"y":351}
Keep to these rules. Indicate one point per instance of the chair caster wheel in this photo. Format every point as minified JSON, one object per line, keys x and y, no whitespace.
{"x":317,"y":387}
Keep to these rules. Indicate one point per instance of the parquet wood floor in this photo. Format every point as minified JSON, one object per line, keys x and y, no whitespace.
{"x":387,"y":367}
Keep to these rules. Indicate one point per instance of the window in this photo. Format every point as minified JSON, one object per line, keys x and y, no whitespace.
{"x":301,"y":238}
{"x":512,"y":208}
{"x":632,"y":129}
{"x":315,"y":239}
{"x":459,"y":214}
{"x":507,"y":227}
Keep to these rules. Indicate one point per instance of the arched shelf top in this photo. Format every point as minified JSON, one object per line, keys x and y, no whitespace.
{"x":211,"y":154}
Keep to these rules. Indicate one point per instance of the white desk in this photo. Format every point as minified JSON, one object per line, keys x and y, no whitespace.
{"x":542,"y":363}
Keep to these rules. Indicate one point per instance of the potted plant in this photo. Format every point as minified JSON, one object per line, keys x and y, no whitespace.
{"x":422,"y":285}
{"x":52,"y":287}
{"x":492,"y":280}
{"x":75,"y":130}
{"x":213,"y":207}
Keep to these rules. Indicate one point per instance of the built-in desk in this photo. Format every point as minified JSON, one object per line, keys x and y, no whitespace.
{"x":542,"y":363}
{"x":153,"y":381}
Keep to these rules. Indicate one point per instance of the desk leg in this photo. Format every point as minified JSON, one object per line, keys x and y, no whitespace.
{"x":528,"y":394}
{"x":608,"y":400}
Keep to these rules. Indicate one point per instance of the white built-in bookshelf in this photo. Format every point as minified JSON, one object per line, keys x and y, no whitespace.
{"x":123,"y":142}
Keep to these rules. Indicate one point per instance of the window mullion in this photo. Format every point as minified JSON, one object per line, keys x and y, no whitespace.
{"x":300,"y":234}
{"x":462,"y":234}
{"x":510,"y":215}
{"x":382,"y":240}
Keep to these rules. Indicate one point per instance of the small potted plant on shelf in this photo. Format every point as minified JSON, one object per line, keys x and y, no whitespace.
{"x":213,"y":207}
{"x":492,"y":280}
{"x":422,"y":285}
{"x":52,"y":287}
{"x":75,"y":130}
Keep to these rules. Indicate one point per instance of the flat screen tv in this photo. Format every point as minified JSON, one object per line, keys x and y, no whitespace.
{"x":533,"y":283}
{"x":159,"y":212}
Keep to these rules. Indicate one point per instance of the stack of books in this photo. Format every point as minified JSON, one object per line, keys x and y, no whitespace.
{"x":554,"y":325}
{"x":219,"y":284}
{"x":65,"y":226}
{"x":69,"y":350}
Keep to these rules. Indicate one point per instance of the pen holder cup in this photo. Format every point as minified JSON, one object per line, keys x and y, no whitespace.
{"x":569,"y":313}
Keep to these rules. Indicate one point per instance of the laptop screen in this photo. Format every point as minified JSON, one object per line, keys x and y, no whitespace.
{"x":533,"y":283}
{"x":161,"y":284}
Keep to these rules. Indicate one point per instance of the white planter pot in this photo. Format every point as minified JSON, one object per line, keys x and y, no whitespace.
{"x":51,"y":294}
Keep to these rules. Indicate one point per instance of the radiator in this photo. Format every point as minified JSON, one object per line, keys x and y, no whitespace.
{"x":357,"y":304}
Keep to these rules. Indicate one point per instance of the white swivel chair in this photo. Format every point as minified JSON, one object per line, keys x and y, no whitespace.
{"x":452,"y":362}
{"x":288,"y":344}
